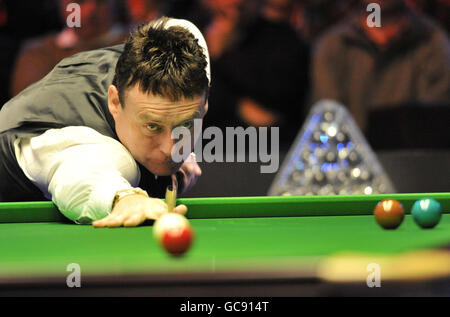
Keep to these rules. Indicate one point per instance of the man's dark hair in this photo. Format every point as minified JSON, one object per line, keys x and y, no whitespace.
{"x":164,"y":61}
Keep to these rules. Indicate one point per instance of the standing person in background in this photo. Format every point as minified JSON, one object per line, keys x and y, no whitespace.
{"x":406,"y":60}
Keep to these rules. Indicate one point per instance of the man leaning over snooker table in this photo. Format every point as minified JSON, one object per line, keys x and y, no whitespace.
{"x":91,"y":132}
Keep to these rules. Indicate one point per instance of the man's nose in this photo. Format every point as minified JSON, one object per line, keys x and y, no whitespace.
{"x":166,"y":143}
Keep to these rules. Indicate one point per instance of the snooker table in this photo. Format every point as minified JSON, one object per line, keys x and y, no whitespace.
{"x":244,"y":246}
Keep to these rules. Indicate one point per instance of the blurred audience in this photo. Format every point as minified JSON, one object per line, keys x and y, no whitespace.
{"x":38,"y":56}
{"x":260,"y":53}
{"x":259,"y":66}
{"x":405,"y":61}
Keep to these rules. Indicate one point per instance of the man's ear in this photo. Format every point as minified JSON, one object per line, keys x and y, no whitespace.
{"x":114,"y":105}
{"x":205,"y":108}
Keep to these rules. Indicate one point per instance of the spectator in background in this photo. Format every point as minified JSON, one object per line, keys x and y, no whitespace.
{"x":260,"y":66}
{"x":406,"y":60}
{"x":98,"y":29}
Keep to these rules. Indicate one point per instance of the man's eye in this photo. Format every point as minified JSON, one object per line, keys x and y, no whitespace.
{"x":152,"y":127}
{"x":187,"y":125}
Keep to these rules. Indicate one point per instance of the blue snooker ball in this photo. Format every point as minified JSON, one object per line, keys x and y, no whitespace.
{"x":426,"y":212}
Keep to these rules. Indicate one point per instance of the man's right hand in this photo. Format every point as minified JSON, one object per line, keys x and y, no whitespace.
{"x":133,"y":210}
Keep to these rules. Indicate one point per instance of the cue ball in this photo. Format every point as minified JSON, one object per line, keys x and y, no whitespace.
{"x":389,"y":213}
{"x":426,"y":212}
{"x":174,"y":233}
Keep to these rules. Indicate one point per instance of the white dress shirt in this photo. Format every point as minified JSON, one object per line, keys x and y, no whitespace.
{"x":79,"y":169}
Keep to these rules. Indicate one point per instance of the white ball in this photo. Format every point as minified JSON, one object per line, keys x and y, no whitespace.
{"x":168,"y":221}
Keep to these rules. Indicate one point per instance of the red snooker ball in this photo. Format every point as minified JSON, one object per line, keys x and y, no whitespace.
{"x":177,"y":241}
{"x":389,"y":213}
{"x":174,"y":233}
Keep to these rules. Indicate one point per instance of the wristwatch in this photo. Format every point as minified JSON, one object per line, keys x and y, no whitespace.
{"x":126,"y":192}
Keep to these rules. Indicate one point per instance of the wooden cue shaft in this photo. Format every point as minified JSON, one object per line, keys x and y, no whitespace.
{"x":171,"y":194}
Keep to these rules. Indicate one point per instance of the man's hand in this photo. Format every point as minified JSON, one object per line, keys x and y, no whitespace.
{"x":191,"y":172}
{"x":133,"y":210}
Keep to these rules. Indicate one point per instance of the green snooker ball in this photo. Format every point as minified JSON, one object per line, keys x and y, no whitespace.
{"x":426,"y":212}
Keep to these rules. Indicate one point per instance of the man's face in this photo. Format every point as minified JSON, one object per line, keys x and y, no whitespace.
{"x":145,"y":122}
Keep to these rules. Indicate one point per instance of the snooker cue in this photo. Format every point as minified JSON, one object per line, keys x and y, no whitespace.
{"x":171,"y":194}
